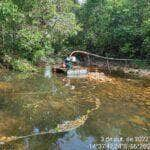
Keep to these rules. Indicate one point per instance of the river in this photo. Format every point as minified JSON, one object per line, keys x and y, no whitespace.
{"x":31,"y":104}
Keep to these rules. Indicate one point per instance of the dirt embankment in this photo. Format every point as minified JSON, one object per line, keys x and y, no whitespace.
{"x":120,"y":70}
{"x":132,"y":71}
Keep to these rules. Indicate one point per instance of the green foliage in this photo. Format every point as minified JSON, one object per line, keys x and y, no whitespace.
{"x":120,"y":28}
{"x":141,"y":64}
{"x":33,"y":45}
{"x":9,"y":13}
{"x":29,"y":40}
{"x":10,"y":20}
{"x":127,"y":49}
{"x":34,"y":29}
{"x":22,"y":65}
{"x":17,"y":64}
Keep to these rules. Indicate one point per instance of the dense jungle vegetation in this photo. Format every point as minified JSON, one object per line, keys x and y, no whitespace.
{"x":32,"y":30}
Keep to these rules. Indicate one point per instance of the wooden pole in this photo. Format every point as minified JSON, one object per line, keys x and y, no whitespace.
{"x":89,"y":61}
{"x":108,"y":66}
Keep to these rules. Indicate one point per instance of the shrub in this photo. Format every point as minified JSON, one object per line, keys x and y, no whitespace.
{"x":22,"y":65}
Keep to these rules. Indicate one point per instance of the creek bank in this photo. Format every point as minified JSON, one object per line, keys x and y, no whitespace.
{"x":23,"y":65}
{"x":131,"y":71}
{"x":16,"y":64}
{"x":118,"y":70}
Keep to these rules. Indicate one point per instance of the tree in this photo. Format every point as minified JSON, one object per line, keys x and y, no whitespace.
{"x":116,"y":28}
{"x":36,"y":28}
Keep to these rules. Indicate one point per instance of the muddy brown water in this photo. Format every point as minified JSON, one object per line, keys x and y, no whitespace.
{"x":33,"y":103}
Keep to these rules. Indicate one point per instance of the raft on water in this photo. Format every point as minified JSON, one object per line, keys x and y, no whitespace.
{"x":77,"y":72}
{"x":70,"y":72}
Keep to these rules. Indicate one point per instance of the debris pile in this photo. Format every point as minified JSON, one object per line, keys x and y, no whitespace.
{"x":100,"y":77}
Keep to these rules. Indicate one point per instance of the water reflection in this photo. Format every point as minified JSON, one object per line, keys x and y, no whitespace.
{"x":26,"y":144}
{"x":36,"y":130}
{"x":113,"y":144}
{"x":48,"y":72}
{"x":73,"y":140}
